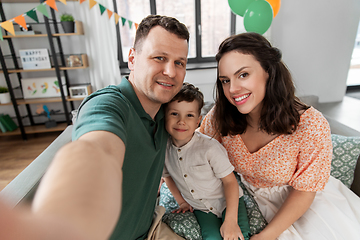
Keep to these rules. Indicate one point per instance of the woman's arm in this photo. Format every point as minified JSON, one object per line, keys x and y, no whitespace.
{"x":183,"y":205}
{"x":230,"y":228}
{"x":296,"y":204}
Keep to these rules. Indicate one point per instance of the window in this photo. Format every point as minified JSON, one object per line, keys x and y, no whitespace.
{"x":209,"y":23}
{"x":353,"y":80}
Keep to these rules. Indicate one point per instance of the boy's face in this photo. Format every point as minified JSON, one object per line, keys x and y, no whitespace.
{"x":182,"y":118}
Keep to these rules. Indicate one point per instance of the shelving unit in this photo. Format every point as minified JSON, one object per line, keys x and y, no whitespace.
{"x":53,"y":37}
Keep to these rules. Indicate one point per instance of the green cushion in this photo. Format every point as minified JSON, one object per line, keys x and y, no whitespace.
{"x":346,"y":151}
{"x":185,"y":224}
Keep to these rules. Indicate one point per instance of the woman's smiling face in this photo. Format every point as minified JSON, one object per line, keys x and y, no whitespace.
{"x":243,"y":81}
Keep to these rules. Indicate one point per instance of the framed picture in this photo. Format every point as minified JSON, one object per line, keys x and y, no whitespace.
{"x":42,"y":87}
{"x":80,"y":91}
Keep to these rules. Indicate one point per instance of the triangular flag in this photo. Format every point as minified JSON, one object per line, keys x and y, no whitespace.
{"x":116,"y":17}
{"x":123,"y":20}
{"x":81,"y":1}
{"x":136,"y":26}
{"x":32,"y":14}
{"x":102,"y":9}
{"x":92,"y":3}
{"x":1,"y":37}
{"x":130,"y":23}
{"x":42,"y":8}
{"x":110,"y":13}
{"x":21,"y":21}
{"x":63,"y":1}
{"x":52,"y":4}
{"x":8,"y":26}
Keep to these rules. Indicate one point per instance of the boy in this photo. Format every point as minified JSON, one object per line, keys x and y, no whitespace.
{"x":198,"y":172}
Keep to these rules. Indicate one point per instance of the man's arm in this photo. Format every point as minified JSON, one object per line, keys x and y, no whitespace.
{"x":80,"y":194}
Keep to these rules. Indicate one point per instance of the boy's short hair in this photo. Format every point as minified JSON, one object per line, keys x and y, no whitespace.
{"x":189,"y":93}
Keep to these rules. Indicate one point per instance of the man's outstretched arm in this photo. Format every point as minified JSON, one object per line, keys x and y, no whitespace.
{"x":80,"y":194}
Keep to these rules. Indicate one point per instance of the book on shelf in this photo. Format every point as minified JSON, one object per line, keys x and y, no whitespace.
{"x":27,"y":32}
{"x":7,"y":122}
{"x":2,"y":128}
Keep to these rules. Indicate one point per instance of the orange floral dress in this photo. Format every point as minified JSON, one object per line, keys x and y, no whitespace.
{"x":301,"y":160}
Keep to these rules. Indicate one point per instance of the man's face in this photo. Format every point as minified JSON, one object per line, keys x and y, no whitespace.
{"x":158,"y":68}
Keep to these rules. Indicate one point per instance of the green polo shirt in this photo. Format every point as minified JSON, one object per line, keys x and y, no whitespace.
{"x":117,"y":109}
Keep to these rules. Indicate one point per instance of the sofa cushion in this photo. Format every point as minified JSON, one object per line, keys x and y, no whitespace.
{"x":186,"y":225}
{"x":346,"y":151}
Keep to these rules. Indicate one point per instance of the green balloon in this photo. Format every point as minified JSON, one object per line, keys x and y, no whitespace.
{"x":258,"y":17}
{"x":239,"y":6}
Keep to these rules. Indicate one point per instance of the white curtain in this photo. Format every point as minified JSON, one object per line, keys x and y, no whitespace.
{"x":100,"y":43}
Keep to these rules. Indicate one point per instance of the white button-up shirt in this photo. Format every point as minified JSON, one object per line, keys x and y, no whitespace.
{"x":197,"y":169}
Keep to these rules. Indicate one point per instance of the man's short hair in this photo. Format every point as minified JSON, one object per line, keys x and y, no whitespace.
{"x":170,"y":24}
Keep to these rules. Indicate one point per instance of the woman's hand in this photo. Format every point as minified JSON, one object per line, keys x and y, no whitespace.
{"x":230,"y":230}
{"x":184,"y":207}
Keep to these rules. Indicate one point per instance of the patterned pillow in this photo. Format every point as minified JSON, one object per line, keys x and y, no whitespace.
{"x":183,"y":224}
{"x":346,"y":151}
{"x":257,"y":221}
{"x":186,"y":225}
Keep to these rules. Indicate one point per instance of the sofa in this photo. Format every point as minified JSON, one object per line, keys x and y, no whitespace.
{"x":345,"y":167}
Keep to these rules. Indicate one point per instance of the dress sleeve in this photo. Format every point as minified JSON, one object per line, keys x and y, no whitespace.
{"x":314,"y":159}
{"x":207,"y":126}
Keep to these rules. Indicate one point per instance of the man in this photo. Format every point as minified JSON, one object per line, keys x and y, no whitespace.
{"x":104,"y":184}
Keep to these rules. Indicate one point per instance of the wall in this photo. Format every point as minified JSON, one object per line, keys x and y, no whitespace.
{"x":317,"y":39}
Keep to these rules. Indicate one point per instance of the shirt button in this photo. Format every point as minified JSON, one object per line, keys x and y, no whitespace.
{"x":185,"y":175}
{"x":192,"y":190}
{"x":179,"y":150}
{"x":211,"y":208}
{"x":180,"y":158}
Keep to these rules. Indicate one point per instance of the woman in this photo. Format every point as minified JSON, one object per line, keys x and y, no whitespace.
{"x":280,"y":146}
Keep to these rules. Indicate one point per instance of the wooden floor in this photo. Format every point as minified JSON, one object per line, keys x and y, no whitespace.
{"x":16,"y":154}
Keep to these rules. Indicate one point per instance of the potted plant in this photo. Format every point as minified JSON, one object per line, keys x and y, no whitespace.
{"x":67,"y":22}
{"x":4,"y":95}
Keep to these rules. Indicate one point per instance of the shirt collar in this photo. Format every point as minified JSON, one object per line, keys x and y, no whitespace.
{"x":129,"y":93}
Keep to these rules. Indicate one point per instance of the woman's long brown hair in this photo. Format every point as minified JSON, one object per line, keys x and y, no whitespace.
{"x":280,"y":110}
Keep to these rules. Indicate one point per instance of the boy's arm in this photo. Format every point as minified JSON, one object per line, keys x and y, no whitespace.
{"x":183,"y":205}
{"x":230,"y":228}
{"x":80,"y":194}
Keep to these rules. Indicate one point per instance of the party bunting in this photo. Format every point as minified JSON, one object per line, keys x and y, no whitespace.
{"x":63,"y":1}
{"x":123,"y":20}
{"x":116,"y":17}
{"x":8,"y":26}
{"x":92,"y":3}
{"x":21,"y":21}
{"x":110,"y":13}
{"x":42,"y":8}
{"x":52,"y":4}
{"x":102,"y":9}
{"x":32,"y":14}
